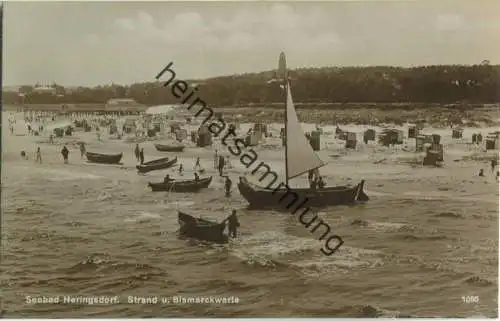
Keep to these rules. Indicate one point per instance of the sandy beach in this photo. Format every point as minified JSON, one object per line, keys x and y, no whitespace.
{"x":427,"y":237}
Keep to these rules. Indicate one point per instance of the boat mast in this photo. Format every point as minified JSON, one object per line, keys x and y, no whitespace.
{"x":283,"y":74}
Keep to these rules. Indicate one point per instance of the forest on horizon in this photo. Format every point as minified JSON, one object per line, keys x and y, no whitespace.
{"x":446,"y":84}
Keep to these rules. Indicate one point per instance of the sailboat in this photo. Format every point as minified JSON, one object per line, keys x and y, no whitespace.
{"x":300,"y":158}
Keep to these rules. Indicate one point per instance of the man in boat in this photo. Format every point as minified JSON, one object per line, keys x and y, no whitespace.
{"x":233,"y":224}
{"x":196,"y":177}
{"x":65,"y":154}
{"x":167,"y":179}
{"x":310,"y":176}
{"x":38,"y":155}
{"x":227,"y":186}
{"x":136,"y":152}
{"x":141,"y":156}
{"x":321,"y":182}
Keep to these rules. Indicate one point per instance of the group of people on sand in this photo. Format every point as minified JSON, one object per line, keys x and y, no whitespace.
{"x":493,"y":164}
{"x":139,"y":154}
{"x":38,"y":154}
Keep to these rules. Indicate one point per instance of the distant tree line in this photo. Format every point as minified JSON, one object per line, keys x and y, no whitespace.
{"x":429,"y":84}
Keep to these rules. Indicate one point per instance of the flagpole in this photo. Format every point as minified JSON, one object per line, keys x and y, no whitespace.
{"x":284,"y":75}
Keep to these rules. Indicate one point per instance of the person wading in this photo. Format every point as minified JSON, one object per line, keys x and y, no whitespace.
{"x":38,"y":155}
{"x":82,"y":149}
{"x":227,"y":186}
{"x":216,"y":159}
{"x":65,"y":154}
{"x":221,"y":165}
{"x":233,"y":224}
{"x":141,"y":156}
{"x":137,"y":152}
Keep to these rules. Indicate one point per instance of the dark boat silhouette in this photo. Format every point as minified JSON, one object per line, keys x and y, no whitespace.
{"x":202,"y":229}
{"x":169,"y":148}
{"x":187,"y":186}
{"x":300,"y":158}
{"x":104,"y":158}
{"x":157,"y":164}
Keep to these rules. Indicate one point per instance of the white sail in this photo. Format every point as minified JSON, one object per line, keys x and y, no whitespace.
{"x":300,"y":155}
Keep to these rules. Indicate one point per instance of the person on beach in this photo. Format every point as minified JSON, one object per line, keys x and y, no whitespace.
{"x":493,"y":164}
{"x":82,"y":149}
{"x":197,"y":164}
{"x":38,"y":156}
{"x":181,"y":169}
{"x":233,"y":224}
{"x":65,"y":154}
{"x":216,"y":159}
{"x":227,"y":186}
{"x":221,"y":165}
{"x":23,"y":155}
{"x":228,"y":163}
{"x":481,"y":172}
{"x":498,"y":173}
{"x":141,"y":156}
{"x":137,"y":152}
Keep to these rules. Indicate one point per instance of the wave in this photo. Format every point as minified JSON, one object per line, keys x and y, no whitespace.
{"x":412,"y":237}
{"x":477,"y":280}
{"x":449,"y":215}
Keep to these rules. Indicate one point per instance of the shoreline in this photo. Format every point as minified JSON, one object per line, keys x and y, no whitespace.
{"x":442,"y":116}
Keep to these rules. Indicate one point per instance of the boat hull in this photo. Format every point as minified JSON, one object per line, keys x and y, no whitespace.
{"x":202,"y":229}
{"x":104,"y":159}
{"x":167,"y":148}
{"x":263,"y":198}
{"x":181,"y":186}
{"x":157,"y":164}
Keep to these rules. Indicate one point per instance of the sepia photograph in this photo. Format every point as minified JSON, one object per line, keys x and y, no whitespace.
{"x":240,"y":159}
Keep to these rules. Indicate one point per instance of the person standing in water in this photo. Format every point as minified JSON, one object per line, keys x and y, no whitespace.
{"x":216,"y":159}
{"x":227,"y":186}
{"x":141,"y":156}
{"x":181,"y":169}
{"x":82,"y":149}
{"x":65,"y":154}
{"x":233,"y":224}
{"x":137,"y":151}
{"x":221,"y":165}
{"x":493,"y":165}
{"x":38,"y":155}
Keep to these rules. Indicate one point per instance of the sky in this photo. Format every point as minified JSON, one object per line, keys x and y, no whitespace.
{"x":98,"y":43}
